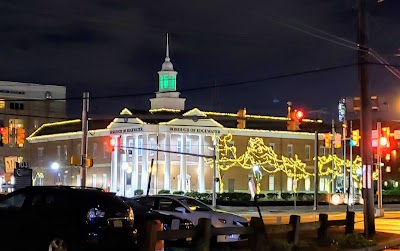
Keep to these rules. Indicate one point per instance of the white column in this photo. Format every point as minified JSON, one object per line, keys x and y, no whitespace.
{"x":114,"y":168}
{"x":183,"y":168}
{"x":200,"y":172}
{"x":167,"y":165}
{"x":122,"y":180}
{"x":145,"y":172}
{"x":135,"y":164}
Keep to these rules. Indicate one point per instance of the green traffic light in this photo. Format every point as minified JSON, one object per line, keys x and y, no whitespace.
{"x":352,"y":142}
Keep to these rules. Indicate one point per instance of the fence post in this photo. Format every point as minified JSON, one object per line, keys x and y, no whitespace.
{"x":293,"y":236}
{"x":349,"y":229}
{"x":323,"y":229}
{"x":151,"y":236}
{"x":202,"y":236}
{"x":257,"y":239}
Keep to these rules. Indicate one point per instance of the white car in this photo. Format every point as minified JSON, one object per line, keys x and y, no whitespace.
{"x":192,"y":210}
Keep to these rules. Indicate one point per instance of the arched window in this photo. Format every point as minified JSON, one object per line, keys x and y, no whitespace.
{"x":172,"y":82}
{"x":165,"y":82}
{"x":161,"y":82}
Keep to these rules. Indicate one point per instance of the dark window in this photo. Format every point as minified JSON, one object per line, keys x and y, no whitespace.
{"x":168,"y":205}
{"x":146,"y":201}
{"x":15,"y":201}
{"x":16,"y":106}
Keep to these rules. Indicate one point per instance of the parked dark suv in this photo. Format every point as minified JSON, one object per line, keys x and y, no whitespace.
{"x":65,"y":218}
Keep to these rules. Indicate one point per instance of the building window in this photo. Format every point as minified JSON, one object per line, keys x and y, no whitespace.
{"x":131,"y":146}
{"x":104,"y":186}
{"x":172,"y":82}
{"x":321,"y":151}
{"x":289,"y":183}
{"x":94,"y":180}
{"x":290,"y":151}
{"x":65,"y":152}
{"x":188,"y":145}
{"x":308,"y":152}
{"x":40,"y":153}
{"x":388,"y":169}
{"x":59,"y":152}
{"x":35,"y":123}
{"x":16,"y":106}
{"x":94,"y":150}
{"x":78,"y":149}
{"x":179,"y":145}
{"x":271,"y":182}
{"x":272,"y":145}
{"x":105,"y":149}
{"x":140,"y":147}
{"x":2,"y":103}
{"x":165,"y":81}
{"x":152,"y":146}
{"x":323,"y":184}
{"x":307,"y":183}
{"x":16,"y":133}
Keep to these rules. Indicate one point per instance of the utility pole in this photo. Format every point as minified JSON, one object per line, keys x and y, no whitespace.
{"x":84,"y":142}
{"x":214,"y":192}
{"x":379,"y":210}
{"x":332,"y":152}
{"x":366,"y":127}
{"x":316,"y":171}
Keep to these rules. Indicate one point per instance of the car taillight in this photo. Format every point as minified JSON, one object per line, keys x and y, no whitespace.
{"x":223,"y":221}
{"x":130,"y":214}
{"x":95,"y":213}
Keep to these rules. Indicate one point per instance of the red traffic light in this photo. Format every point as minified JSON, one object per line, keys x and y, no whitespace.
{"x":112,"y":142}
{"x":299,"y":115}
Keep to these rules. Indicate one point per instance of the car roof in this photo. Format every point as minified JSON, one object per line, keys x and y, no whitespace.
{"x":62,"y":188}
{"x":173,"y":196}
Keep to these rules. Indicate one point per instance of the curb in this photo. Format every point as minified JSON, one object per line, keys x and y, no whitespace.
{"x":387,"y":244}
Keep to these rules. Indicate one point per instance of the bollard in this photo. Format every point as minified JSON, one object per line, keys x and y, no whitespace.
{"x":323,"y":229}
{"x":257,"y":239}
{"x":349,"y":229}
{"x":293,"y":236}
{"x":150,"y":241}
{"x":201,"y":238}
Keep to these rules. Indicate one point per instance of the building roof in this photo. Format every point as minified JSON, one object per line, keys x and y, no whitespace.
{"x":69,"y":126}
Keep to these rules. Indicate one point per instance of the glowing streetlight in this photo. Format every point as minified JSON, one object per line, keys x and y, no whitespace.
{"x":55,"y":166}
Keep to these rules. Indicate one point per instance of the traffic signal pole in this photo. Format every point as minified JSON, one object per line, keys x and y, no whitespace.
{"x":379,"y":210}
{"x":366,"y":127}
{"x":84,"y":142}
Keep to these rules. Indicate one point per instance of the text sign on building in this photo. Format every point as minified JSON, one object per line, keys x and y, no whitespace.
{"x":10,"y":163}
{"x":194,"y":130}
{"x":126,"y":130}
{"x":396,"y":134}
{"x":375,"y":134}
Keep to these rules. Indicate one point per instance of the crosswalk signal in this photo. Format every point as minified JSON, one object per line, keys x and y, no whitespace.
{"x":4,"y":136}
{"x":20,"y":136}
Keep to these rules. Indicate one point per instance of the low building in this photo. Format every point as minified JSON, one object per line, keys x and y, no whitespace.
{"x":23,"y":108}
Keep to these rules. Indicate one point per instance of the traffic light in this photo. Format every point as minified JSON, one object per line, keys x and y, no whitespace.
{"x":1,"y":136}
{"x":20,"y":136}
{"x":327,"y":140}
{"x":355,"y":138}
{"x":385,"y":138}
{"x":241,"y":121}
{"x":111,"y":144}
{"x":4,"y":135}
{"x":295,"y":119}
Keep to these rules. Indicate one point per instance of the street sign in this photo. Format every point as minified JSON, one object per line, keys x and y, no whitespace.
{"x":375,"y":134}
{"x":396,"y":134}
{"x":23,"y":177}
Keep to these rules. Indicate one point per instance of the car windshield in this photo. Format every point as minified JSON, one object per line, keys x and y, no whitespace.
{"x":195,"y":205}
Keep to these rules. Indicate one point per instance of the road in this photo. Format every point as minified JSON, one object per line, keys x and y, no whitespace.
{"x":390,"y":223}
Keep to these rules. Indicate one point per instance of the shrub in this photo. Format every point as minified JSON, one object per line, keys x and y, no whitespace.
{"x":163,"y":191}
{"x":195,"y":195}
{"x":138,"y":192}
{"x":179,"y":192}
{"x":272,"y":196}
{"x":352,"y":241}
{"x":260,"y":196}
{"x":286,"y":196}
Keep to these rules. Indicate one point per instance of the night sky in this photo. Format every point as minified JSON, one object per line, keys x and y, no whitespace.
{"x":228,"y":54}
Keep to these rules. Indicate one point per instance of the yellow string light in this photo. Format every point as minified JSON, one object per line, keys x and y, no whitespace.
{"x":258,"y":154}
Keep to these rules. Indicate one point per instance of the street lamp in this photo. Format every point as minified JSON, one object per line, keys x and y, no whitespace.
{"x":55,"y":166}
